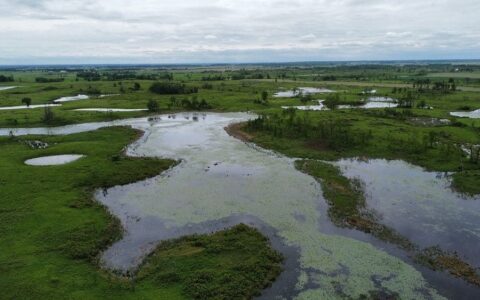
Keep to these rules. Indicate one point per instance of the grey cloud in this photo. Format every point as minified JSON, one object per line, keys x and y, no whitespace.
{"x":247,"y":30}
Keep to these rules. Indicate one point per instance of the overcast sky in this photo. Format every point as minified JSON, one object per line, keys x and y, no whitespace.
{"x":204,"y":31}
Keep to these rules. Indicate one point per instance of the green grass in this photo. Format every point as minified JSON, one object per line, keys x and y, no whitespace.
{"x":52,"y":230}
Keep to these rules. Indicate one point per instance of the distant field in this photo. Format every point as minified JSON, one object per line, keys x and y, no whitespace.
{"x":475,"y":75}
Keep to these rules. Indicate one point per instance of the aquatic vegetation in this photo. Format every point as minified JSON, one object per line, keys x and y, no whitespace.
{"x":348,"y":208}
{"x":435,"y":258}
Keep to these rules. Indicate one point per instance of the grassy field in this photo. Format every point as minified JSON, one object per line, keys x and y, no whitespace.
{"x":52,"y":230}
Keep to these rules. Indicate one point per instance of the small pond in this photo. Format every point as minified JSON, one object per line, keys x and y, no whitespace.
{"x":318,"y":106}
{"x":28,"y":107}
{"x":71,"y":98}
{"x":4,"y":88}
{"x":111,"y":109}
{"x":53,"y":160}
{"x":301,"y":90}
{"x":467,"y":114}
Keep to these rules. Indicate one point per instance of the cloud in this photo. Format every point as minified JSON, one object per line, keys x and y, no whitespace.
{"x":243,"y":30}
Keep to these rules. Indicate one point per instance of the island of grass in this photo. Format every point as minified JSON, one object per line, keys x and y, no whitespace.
{"x":52,"y":230}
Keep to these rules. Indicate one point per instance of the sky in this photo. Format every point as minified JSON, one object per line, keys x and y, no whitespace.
{"x":236,"y":31}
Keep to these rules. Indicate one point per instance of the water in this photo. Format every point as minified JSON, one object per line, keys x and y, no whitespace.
{"x":4,"y":88}
{"x":222,"y":181}
{"x":420,"y":205}
{"x":373,"y":102}
{"x":467,"y":114}
{"x":53,"y":160}
{"x":319,"y":106}
{"x":111,"y":109}
{"x":301,"y":90}
{"x":71,"y":98}
{"x":28,"y":107}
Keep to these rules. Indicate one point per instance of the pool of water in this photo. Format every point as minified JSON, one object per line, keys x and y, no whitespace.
{"x":71,"y":98}
{"x":467,"y":114}
{"x":318,"y":106}
{"x":4,"y":88}
{"x":111,"y":109}
{"x":301,"y":90}
{"x":53,"y":160}
{"x":373,"y":102}
{"x":222,"y":181}
{"x":28,"y":107}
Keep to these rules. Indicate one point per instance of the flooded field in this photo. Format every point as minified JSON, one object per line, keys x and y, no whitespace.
{"x":53,"y":160}
{"x":71,"y":98}
{"x":28,"y":107}
{"x":318,"y":106}
{"x":373,"y":102}
{"x":467,"y":114}
{"x":111,"y":109}
{"x":301,"y":91}
{"x":4,"y":88}
{"x":221,"y":181}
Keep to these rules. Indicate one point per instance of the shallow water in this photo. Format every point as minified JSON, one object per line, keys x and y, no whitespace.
{"x":373,"y":102}
{"x":420,"y":205}
{"x":301,"y":90}
{"x":4,"y":88}
{"x":467,"y":114}
{"x":222,"y":181}
{"x":71,"y":98}
{"x":53,"y":160}
{"x":111,"y":109}
{"x":319,"y":106}
{"x":28,"y":107}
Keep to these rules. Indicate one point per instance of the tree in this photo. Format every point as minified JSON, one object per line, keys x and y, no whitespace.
{"x":152,"y":106}
{"x":136,"y":86}
{"x":332,"y":101}
{"x":264,"y":96}
{"x":48,"y":115}
{"x":27,"y":101}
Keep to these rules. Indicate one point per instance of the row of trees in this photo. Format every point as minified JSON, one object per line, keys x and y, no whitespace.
{"x":426,"y":85}
{"x":171,"y":88}
{"x":4,"y":78}
{"x":46,"y":80}
{"x":185,"y":103}
{"x":331,"y":133}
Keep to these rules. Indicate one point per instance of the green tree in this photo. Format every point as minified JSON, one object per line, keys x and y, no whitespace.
{"x":264,"y":96}
{"x":48,"y":115}
{"x":152,"y":105}
{"x":27,"y":101}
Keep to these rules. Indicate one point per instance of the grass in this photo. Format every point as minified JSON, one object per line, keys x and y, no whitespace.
{"x":52,"y":230}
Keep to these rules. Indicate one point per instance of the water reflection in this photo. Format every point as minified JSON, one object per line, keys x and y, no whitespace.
{"x":420,"y":205}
